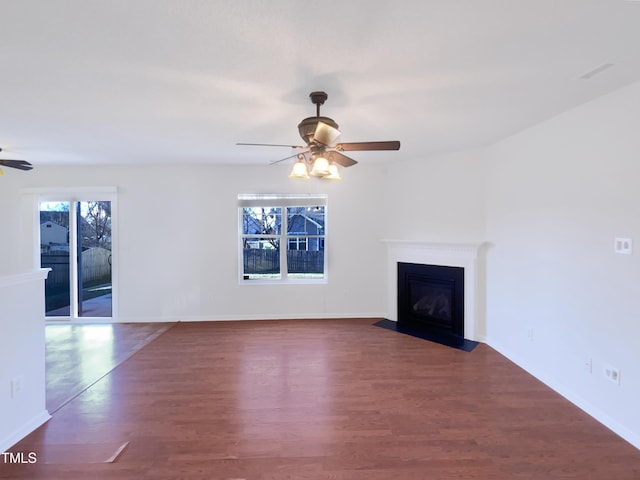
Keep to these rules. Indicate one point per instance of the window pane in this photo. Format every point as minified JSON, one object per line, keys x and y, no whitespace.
{"x":55,"y":254}
{"x":94,"y":264}
{"x":305,"y":257}
{"x":261,"y":220}
{"x":305,"y":220}
{"x":261,"y":258}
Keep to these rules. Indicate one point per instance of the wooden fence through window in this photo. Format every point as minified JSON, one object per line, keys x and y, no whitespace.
{"x":262,"y":261}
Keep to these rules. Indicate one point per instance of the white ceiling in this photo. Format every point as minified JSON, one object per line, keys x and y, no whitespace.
{"x":181,"y":81}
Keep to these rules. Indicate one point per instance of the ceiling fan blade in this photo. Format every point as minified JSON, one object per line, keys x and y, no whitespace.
{"x":289,"y":157}
{"x":341,"y":159}
{"x":325,"y":134}
{"x":270,"y":145}
{"x":19,"y":164}
{"x":357,"y":146}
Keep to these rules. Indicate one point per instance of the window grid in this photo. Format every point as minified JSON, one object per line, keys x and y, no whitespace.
{"x":265,"y":230}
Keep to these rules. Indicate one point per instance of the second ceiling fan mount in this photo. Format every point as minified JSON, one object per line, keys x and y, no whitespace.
{"x":321,"y":156}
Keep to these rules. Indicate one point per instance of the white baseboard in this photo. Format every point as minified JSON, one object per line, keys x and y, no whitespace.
{"x":619,"y":429}
{"x":481,"y":339}
{"x":242,"y":317}
{"x":10,"y":440}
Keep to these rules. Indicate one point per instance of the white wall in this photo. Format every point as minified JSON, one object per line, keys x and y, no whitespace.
{"x":436,"y":199}
{"x":177,"y":232}
{"x":22,"y":356}
{"x":557,"y":196}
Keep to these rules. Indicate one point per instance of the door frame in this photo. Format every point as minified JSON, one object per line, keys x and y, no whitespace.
{"x":74,"y":195}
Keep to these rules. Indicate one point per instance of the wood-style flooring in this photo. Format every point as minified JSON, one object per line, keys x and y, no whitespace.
{"x":79,"y":355}
{"x":319,"y":399}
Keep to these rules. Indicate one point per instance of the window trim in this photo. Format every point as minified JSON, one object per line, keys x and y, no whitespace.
{"x":281,"y":201}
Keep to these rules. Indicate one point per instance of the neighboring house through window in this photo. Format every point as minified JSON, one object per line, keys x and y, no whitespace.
{"x":295,"y":222}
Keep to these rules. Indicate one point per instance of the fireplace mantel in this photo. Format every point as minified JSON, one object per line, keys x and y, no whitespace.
{"x":466,"y":255}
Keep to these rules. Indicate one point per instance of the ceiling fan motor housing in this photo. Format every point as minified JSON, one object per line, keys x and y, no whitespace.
{"x":307,"y":127}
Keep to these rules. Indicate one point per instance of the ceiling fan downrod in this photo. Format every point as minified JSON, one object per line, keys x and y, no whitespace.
{"x":318,"y":98}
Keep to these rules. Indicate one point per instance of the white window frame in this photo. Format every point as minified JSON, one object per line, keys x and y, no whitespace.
{"x":281,"y":201}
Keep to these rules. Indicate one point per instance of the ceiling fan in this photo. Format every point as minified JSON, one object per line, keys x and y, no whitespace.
{"x":321,"y":156}
{"x":19,"y":164}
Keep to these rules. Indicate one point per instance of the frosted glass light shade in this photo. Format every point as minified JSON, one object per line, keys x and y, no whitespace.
{"x":320,"y":167}
{"x":334,"y":173}
{"x":299,"y":170}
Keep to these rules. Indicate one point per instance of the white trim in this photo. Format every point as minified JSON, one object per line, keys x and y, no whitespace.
{"x":75,"y":193}
{"x":285,"y":280}
{"x":467,"y":250}
{"x":73,"y":258}
{"x":32,"y":276}
{"x":80,"y":320}
{"x":282,"y":199}
{"x":14,"y":437}
{"x":72,"y":195}
{"x":374,"y":316}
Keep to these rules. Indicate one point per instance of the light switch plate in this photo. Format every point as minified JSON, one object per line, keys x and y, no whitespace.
{"x":624,"y":246}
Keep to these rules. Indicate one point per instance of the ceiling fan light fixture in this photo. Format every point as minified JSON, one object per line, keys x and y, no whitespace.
{"x":299,"y":170}
{"x":320,"y":167}
{"x":334,"y":173}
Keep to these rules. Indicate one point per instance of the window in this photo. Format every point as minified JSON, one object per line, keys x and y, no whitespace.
{"x":295,"y":222}
{"x":297,"y":243}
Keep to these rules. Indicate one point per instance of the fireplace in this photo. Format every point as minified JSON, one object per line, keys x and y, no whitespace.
{"x":431,"y":300}
{"x":469,"y":257}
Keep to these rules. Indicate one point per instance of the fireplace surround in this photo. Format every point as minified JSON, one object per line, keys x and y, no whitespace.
{"x":468,"y":256}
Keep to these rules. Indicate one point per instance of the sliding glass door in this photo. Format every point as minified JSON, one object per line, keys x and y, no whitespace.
{"x":76,"y":243}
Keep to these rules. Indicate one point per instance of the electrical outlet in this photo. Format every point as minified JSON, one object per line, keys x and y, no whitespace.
{"x":588,"y":365}
{"x":530,"y":334}
{"x":612,"y":374}
{"x":624,"y":246}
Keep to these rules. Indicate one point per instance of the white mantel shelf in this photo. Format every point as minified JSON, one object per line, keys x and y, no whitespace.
{"x":471,"y":248}
{"x":17,"y":278}
{"x":465,"y":255}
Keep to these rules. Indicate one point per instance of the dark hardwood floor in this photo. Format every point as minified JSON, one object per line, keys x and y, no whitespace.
{"x":319,"y":399}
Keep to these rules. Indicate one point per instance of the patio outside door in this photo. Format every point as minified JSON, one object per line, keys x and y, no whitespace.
{"x":76,"y":243}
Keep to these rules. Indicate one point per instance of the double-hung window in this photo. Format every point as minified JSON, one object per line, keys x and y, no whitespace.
{"x":282,"y":238}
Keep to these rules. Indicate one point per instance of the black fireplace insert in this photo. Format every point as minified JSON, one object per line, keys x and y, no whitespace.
{"x":431,"y":300}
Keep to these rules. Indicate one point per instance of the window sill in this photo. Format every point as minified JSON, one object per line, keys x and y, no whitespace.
{"x":289,"y":281}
